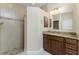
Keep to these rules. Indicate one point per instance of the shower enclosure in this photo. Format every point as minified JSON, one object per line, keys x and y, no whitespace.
{"x":11,"y":28}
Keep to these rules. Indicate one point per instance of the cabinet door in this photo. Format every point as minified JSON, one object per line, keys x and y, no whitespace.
{"x":57,"y":47}
{"x":60,"y":48}
{"x":46,"y":44}
{"x":53,"y":47}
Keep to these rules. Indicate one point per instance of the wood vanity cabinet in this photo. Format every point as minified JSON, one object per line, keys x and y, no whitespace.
{"x":53,"y":44}
{"x":59,"y":45}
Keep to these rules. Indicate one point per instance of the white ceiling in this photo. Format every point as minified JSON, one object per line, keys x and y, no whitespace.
{"x":34,"y":4}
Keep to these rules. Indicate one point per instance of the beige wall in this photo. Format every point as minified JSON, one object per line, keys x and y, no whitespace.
{"x":67,"y":6}
{"x":77,"y":18}
{"x":44,"y":7}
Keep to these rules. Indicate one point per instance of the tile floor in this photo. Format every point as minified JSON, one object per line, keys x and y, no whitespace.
{"x":41,"y":53}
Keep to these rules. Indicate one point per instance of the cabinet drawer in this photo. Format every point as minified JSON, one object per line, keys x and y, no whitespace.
{"x":71,"y":52}
{"x":56,"y":38}
{"x":73,"y":47}
{"x":72,"y":41}
{"x":45,"y":36}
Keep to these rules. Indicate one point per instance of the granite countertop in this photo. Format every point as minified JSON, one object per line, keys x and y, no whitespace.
{"x":62,"y":34}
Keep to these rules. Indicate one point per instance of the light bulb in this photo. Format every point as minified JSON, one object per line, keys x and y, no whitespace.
{"x":33,"y":3}
{"x":52,"y":12}
{"x":60,"y":9}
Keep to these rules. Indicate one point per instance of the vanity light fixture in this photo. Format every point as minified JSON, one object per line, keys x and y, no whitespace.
{"x":51,"y":12}
{"x":56,"y":11}
{"x":33,"y":3}
{"x":60,"y":10}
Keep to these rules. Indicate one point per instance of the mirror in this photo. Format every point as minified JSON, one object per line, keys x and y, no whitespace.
{"x":62,"y":21}
{"x":56,"y":24}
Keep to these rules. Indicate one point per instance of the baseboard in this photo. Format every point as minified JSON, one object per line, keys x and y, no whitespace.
{"x":34,"y":52}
